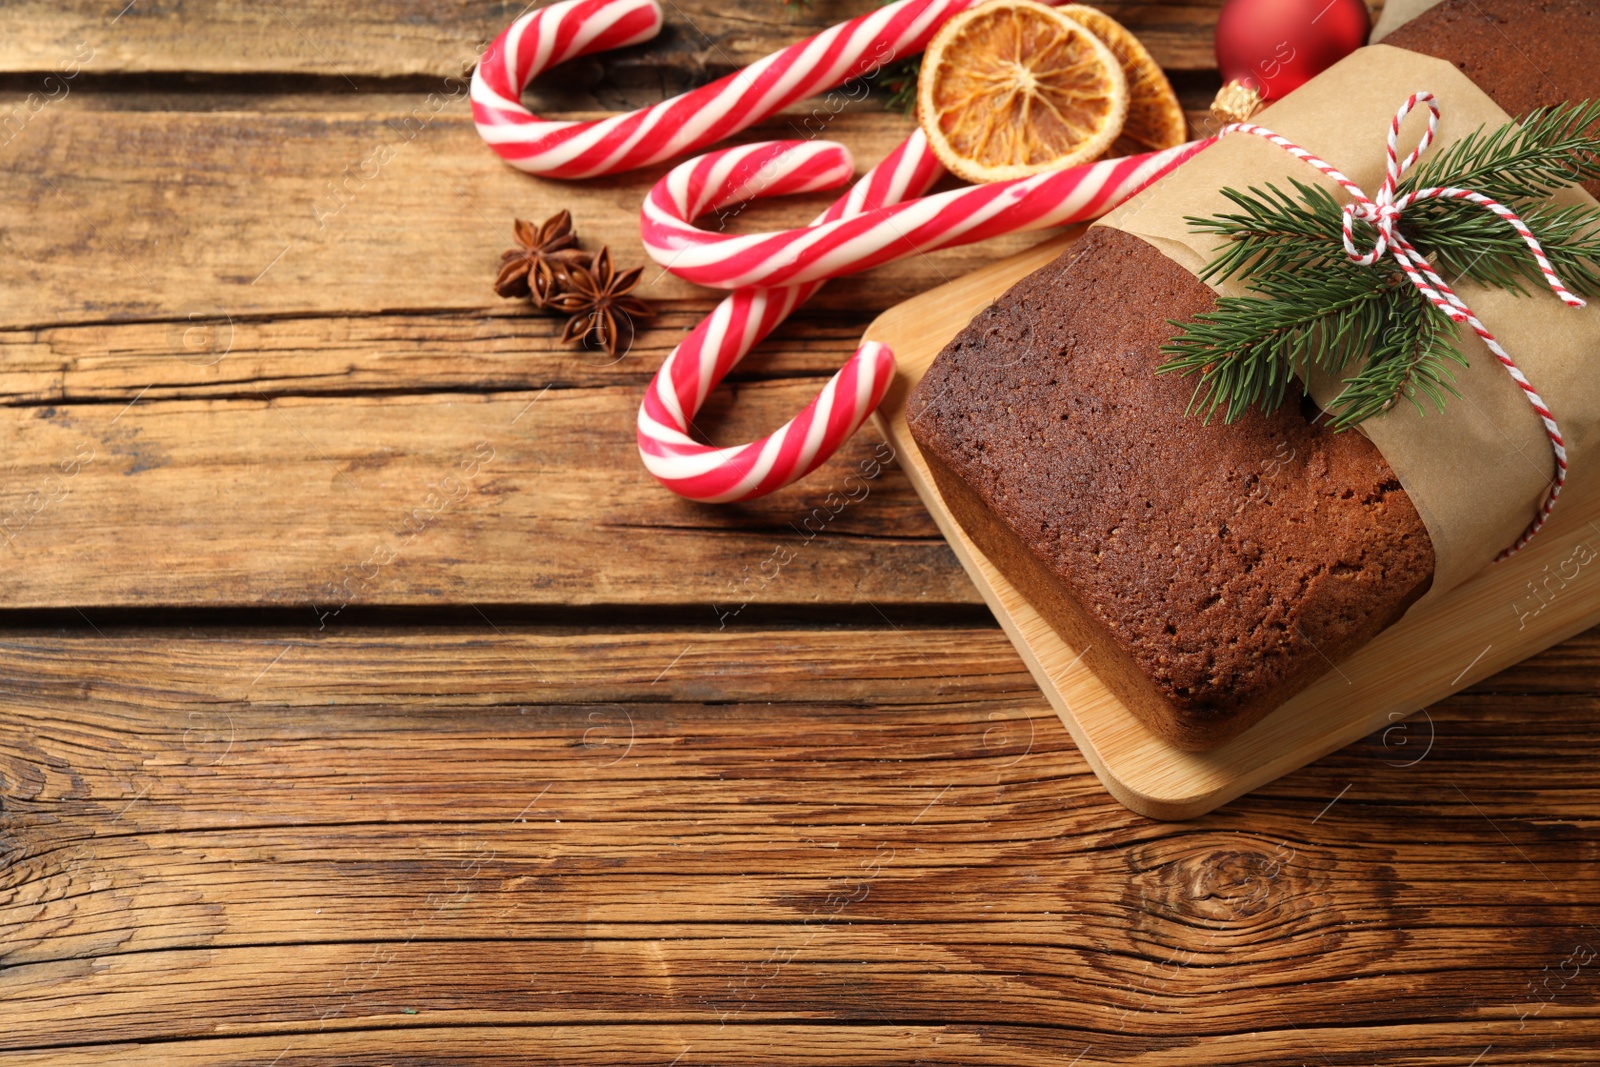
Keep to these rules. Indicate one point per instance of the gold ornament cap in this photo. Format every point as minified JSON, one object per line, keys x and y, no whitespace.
{"x":1236,"y":102}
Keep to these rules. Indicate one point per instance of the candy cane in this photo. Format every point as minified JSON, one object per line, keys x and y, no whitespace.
{"x":720,"y":341}
{"x":551,"y":35}
{"x":554,"y":34}
{"x":847,"y":245}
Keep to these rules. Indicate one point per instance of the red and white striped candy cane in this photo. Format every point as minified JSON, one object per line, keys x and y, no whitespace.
{"x":1384,"y":211}
{"x":745,"y":316}
{"x":554,"y":34}
{"x":847,"y":245}
{"x":702,"y":472}
{"x":551,"y":35}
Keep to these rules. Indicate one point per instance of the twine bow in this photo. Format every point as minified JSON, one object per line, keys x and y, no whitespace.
{"x":1384,"y":212}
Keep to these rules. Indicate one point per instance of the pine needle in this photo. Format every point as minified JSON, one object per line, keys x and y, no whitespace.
{"x":1249,"y":350}
{"x":1273,"y":231}
{"x":1412,"y":357}
{"x":900,"y":79}
{"x":1531,"y":158}
{"x":1463,"y":240}
{"x":1311,"y":307}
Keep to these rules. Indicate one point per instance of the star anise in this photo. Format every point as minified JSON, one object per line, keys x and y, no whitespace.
{"x":597,"y":298}
{"x":537,"y":267}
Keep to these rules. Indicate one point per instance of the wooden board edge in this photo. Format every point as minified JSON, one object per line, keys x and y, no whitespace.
{"x":1170,"y":809}
{"x":1168,"y":797}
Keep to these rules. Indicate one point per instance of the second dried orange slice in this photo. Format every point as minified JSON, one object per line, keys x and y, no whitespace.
{"x":1013,"y":88}
{"x":1155,"y":118}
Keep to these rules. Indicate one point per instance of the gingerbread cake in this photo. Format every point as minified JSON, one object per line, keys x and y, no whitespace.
{"x":1209,"y":571}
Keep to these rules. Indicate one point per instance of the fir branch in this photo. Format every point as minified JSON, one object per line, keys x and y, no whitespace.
{"x":1411,"y":357}
{"x":1248,"y":350}
{"x":1273,"y":231}
{"x":900,"y":79}
{"x":1533,"y":157}
{"x":1312,"y":308}
{"x":1463,"y":240}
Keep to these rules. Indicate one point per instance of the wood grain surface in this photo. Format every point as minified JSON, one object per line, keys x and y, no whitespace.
{"x":389,"y":39}
{"x":362,"y":702}
{"x":414,"y":845}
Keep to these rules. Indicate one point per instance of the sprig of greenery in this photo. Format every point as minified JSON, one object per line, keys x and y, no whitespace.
{"x":1250,"y":348}
{"x":1463,"y":240}
{"x":900,"y":79}
{"x":1412,"y":356}
{"x":1529,"y":158}
{"x":1273,"y":231}
{"x":1310,"y":307}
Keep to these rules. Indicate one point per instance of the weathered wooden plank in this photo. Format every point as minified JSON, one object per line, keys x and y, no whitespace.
{"x":394,"y":38}
{"x":200,"y":347}
{"x":503,"y":350}
{"x":873,"y":976}
{"x":589,"y":664}
{"x":76,"y":340}
{"x":179,"y":215}
{"x":257,"y":842}
{"x":173,"y":215}
{"x":413,"y":1040}
{"x":533,"y":497}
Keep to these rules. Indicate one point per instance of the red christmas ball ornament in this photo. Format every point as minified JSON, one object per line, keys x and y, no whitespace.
{"x":1266,"y":48}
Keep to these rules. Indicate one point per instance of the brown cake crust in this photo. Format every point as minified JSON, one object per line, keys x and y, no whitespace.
{"x":1215,"y":570}
{"x":1212,"y":570}
{"x":1525,"y":54}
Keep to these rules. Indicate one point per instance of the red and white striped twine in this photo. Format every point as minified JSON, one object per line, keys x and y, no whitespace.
{"x":1384,"y":213}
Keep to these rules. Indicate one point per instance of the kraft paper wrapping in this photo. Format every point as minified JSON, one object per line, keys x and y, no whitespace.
{"x":1478,"y":471}
{"x":1397,"y":13}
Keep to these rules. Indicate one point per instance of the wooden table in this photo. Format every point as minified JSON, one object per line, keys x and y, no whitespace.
{"x":312,"y":753}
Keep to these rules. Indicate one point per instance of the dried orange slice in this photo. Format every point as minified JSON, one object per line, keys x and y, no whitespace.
{"x":1155,"y":118}
{"x":1012,"y":88}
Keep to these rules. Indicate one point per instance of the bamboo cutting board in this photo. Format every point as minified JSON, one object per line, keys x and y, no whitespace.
{"x":1543,"y":595}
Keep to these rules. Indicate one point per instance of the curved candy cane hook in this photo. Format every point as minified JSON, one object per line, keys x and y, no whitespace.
{"x":807,"y":257}
{"x":550,"y":35}
{"x":719,"y":342}
{"x":847,"y":245}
